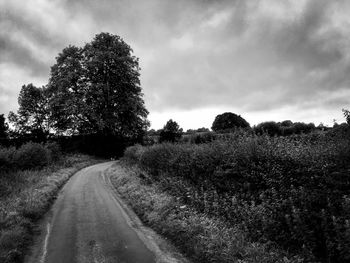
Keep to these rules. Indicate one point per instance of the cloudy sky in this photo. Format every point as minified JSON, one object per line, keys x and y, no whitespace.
{"x":265,"y":60}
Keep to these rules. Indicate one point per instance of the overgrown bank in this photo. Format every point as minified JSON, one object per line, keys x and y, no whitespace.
{"x":29,"y":185}
{"x":201,"y":237}
{"x":288,"y":194}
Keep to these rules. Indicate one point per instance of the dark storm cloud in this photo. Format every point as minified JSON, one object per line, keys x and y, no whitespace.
{"x":292,"y":60}
{"x":250,"y":55}
{"x":14,"y":52}
{"x":20,"y":33}
{"x":32,"y":33}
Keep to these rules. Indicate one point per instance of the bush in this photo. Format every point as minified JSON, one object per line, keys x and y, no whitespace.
{"x":54,"y":150}
{"x":28,"y":156}
{"x":202,"y":137}
{"x":31,"y":155}
{"x":133,"y":153}
{"x":300,"y":127}
{"x":269,"y":127}
{"x":6,"y":158}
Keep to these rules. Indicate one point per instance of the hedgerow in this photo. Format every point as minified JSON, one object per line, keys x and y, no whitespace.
{"x":28,"y":156}
{"x":292,"y":192}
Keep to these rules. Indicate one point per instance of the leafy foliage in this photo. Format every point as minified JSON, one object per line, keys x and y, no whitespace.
{"x":28,"y":156}
{"x":347,"y":115}
{"x":96,"y":89}
{"x":284,"y":128}
{"x":93,"y":89}
{"x":202,"y":137}
{"x":228,"y":121}
{"x":203,"y":238}
{"x":270,"y":127}
{"x":291,"y":191}
{"x":3,"y":127}
{"x":171,"y":132}
{"x":66,"y":91}
{"x":32,"y":115}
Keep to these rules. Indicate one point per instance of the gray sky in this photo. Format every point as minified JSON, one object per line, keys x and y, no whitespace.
{"x":265,"y":60}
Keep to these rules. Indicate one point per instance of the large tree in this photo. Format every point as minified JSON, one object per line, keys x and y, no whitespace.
{"x":32,"y":116}
{"x":96,"y":89}
{"x":228,"y":121}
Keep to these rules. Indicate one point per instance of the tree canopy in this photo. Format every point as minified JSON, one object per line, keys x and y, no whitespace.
{"x":3,"y":127}
{"x":171,"y":132}
{"x":284,"y":128}
{"x":228,"y":121}
{"x":33,"y":115}
{"x":96,"y":89}
{"x":93,"y":89}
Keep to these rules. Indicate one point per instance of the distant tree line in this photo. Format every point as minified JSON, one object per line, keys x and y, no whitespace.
{"x":284,"y":128}
{"x":229,"y":122}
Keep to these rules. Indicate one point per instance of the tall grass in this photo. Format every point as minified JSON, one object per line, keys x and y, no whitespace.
{"x":291,"y":192}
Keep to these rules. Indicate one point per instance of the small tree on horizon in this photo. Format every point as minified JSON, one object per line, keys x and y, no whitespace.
{"x":171,"y":132}
{"x":228,"y":121}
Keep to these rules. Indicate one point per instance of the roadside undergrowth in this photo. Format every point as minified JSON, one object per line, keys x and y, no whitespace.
{"x":288,"y":193}
{"x":201,"y":237}
{"x":29,"y":194}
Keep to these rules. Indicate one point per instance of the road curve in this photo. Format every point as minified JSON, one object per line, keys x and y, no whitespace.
{"x":88,"y":224}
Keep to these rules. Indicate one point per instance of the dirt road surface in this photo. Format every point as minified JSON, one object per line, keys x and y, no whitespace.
{"x":89,"y":223}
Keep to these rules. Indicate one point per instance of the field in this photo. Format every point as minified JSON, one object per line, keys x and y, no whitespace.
{"x":289,"y":194}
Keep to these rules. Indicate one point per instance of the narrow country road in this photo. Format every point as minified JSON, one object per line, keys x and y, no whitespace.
{"x":87,"y":223}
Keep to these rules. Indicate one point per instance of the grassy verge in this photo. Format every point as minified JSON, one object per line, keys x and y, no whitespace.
{"x":29,"y":194}
{"x":201,"y":237}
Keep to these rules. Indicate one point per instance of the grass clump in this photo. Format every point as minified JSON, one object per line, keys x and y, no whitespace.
{"x":289,"y":192}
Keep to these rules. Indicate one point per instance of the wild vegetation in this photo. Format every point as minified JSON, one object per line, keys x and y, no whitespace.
{"x":288,"y":192}
{"x":30,"y":178}
{"x":201,"y":237}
